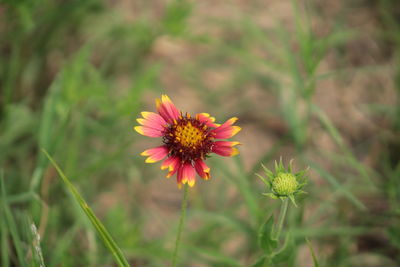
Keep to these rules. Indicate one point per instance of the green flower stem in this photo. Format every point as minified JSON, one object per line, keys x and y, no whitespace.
{"x":180,"y":226}
{"x":277,"y":230}
{"x":281,"y":218}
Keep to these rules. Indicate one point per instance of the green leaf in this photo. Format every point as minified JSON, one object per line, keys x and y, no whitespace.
{"x":267,"y":243}
{"x":285,"y":252}
{"x":260,"y":262}
{"x":101,"y":230}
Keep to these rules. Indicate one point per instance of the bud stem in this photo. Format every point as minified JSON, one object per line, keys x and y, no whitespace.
{"x":281,"y":218}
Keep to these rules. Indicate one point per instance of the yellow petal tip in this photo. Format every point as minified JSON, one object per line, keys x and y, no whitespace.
{"x":140,"y":121}
{"x":138,"y":129}
{"x":234,"y":152}
{"x":158,"y":103}
{"x":233,"y":120}
{"x":149,"y":160}
{"x":165,"y":98}
{"x":145,"y":114}
{"x":236,"y":129}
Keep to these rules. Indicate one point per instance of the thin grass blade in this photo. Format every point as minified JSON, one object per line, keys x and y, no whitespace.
{"x":101,"y":230}
{"x":314,"y":257}
{"x":8,"y":217}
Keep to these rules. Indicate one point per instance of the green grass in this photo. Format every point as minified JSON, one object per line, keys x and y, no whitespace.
{"x":101,"y":230}
{"x":307,"y":82}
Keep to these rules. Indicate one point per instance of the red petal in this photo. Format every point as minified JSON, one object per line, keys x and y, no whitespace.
{"x":225,"y":148}
{"x":152,"y":120}
{"x":226,"y":130}
{"x":155,"y":154}
{"x":150,"y":132}
{"x":206,"y":119}
{"x":167,"y":109}
{"x":202,"y":169}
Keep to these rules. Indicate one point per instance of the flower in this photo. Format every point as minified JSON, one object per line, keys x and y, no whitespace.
{"x":283,"y":183}
{"x":187,"y":141}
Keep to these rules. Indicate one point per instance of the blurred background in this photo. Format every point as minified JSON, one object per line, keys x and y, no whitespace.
{"x":316,"y":81}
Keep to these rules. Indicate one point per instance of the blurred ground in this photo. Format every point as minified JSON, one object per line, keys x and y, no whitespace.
{"x":344,"y":98}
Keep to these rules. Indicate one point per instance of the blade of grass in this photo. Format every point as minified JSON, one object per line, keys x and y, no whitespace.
{"x":314,"y":257}
{"x":12,"y":226}
{"x":20,"y":198}
{"x":325,"y":231}
{"x":332,"y":180}
{"x":101,"y":230}
{"x":36,"y":249}
{"x":5,"y":261}
{"x":45,"y":131}
{"x":336,"y":136}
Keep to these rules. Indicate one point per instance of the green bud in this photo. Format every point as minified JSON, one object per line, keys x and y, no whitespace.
{"x":283,"y":183}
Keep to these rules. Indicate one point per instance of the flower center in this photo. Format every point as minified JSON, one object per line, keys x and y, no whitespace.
{"x":188,"y":138}
{"x":188,"y":135}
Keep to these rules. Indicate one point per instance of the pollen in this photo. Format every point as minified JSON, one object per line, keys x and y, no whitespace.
{"x":188,"y":135}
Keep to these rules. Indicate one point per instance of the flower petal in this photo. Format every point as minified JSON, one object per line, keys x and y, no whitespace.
{"x":202,"y":169}
{"x":155,"y":154}
{"x":188,"y":174}
{"x":150,"y":132}
{"x":227,"y":143}
{"x":226,"y":130}
{"x":179,"y":176}
{"x":172,"y":163}
{"x":174,"y":170}
{"x":167,"y":109}
{"x":206,"y":119}
{"x":152,"y":120}
{"x":169,"y":163}
{"x":225,"y":148}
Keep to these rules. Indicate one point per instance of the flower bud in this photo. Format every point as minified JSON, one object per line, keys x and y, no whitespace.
{"x":283,"y":183}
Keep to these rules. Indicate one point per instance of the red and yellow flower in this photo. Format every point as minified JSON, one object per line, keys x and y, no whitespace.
{"x":187,"y":140}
